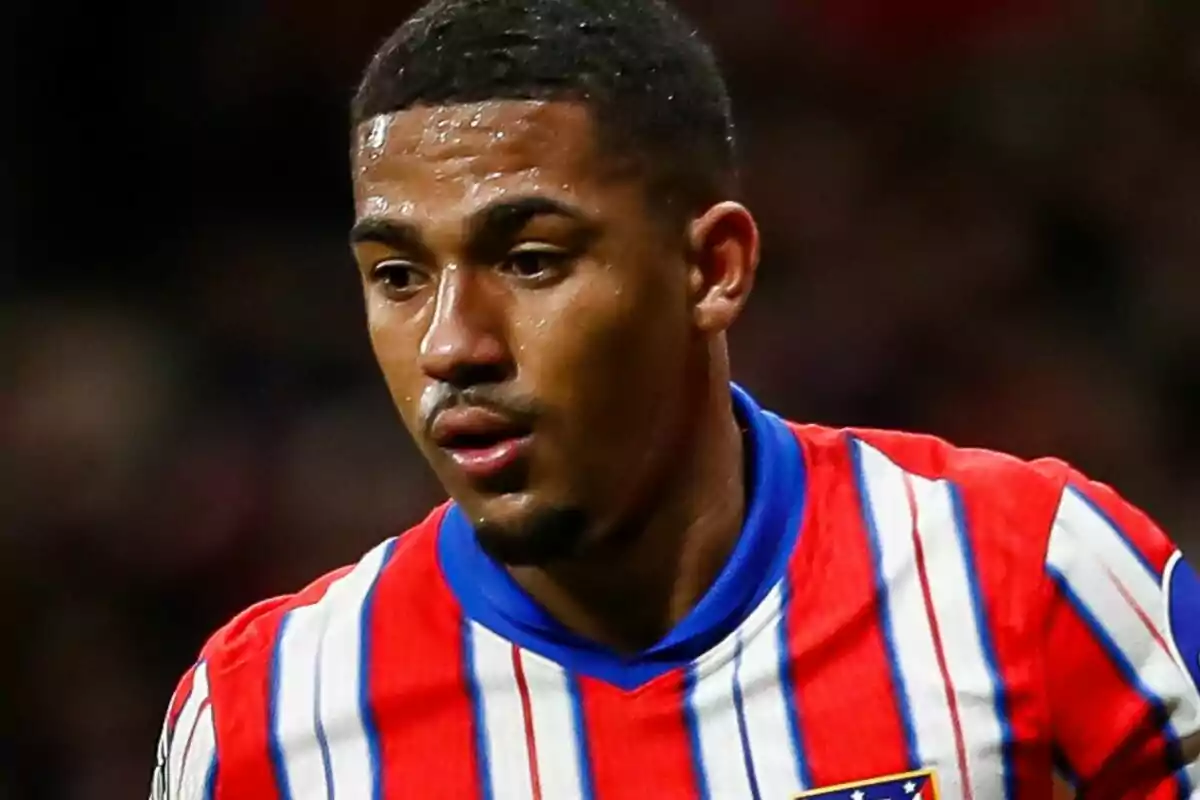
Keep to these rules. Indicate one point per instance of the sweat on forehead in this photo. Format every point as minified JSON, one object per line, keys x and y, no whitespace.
{"x":433,"y":130}
{"x":474,"y":153}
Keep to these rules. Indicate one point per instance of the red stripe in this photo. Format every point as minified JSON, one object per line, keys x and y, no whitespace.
{"x":239,"y":680}
{"x":240,"y":694}
{"x":638,"y":741}
{"x":417,"y":676}
{"x":535,"y":779}
{"x":960,"y":747}
{"x":1101,"y":723}
{"x":1008,"y":539}
{"x":839,"y":663}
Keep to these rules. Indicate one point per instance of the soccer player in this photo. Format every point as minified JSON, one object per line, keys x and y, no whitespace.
{"x":646,"y":585}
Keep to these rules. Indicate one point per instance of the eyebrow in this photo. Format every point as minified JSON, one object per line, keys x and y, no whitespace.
{"x":385,"y":231}
{"x":497,"y":220}
{"x":506,"y":218}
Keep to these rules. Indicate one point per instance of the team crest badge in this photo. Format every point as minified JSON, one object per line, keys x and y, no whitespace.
{"x":920,"y":784}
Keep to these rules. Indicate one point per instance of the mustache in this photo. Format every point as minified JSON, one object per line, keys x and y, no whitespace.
{"x":441,"y":397}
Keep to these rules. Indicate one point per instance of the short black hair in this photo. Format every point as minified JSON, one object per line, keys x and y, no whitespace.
{"x":655,"y":92}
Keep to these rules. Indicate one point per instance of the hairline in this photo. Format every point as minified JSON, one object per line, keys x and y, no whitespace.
{"x":614,"y":160}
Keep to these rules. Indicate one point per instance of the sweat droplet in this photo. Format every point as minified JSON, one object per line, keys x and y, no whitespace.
{"x":375,"y":206}
{"x":378,"y":134}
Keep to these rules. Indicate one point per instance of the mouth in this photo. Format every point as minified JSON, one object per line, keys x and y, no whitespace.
{"x":485,"y":445}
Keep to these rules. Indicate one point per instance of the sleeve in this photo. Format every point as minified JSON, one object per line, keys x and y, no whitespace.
{"x":1122,"y":651}
{"x":186,"y":761}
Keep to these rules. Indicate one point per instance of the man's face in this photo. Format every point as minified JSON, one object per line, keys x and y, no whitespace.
{"x":532,"y":318}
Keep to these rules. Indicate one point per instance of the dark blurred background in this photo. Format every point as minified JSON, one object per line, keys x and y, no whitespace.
{"x":982,"y":219}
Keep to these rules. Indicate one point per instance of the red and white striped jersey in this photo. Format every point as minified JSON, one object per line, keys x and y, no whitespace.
{"x":899,"y":619}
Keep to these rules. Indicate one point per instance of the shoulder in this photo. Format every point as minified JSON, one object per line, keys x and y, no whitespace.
{"x":1032,"y":489}
{"x":409,"y":561}
{"x":1033,"y":485}
{"x":1002,"y":497}
{"x":223,"y":693}
{"x":1007,"y":505}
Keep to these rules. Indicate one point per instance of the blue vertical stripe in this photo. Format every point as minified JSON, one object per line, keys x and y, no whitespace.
{"x":986,"y":643}
{"x":365,"y":710}
{"x":210,"y":779}
{"x":903,"y":703}
{"x":1158,"y":711}
{"x":273,"y":744}
{"x":743,"y":734}
{"x":475,"y":694}
{"x":692,"y":723}
{"x":788,"y":688}
{"x":587,"y":782}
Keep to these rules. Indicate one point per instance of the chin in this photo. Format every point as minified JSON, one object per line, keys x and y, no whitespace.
{"x":531,"y":536}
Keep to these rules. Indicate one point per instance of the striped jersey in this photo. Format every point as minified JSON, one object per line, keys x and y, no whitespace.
{"x":900,"y":618}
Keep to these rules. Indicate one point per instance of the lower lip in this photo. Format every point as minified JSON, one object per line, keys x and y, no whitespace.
{"x":486,"y":462}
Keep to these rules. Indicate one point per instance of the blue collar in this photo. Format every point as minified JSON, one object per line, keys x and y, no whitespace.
{"x":490,"y":596}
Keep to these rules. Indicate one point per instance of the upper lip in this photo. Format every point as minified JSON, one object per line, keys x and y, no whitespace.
{"x":466,"y":425}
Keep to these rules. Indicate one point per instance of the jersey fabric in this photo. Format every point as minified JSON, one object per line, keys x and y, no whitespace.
{"x":899,"y":618}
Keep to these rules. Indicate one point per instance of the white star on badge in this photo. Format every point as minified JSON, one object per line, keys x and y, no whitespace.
{"x":858,"y":795}
{"x":910,"y":788}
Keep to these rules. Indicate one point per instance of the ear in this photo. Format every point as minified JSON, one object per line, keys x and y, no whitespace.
{"x":725,"y":246}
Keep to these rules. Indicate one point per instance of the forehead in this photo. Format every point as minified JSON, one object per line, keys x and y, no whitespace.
{"x":466,"y":156}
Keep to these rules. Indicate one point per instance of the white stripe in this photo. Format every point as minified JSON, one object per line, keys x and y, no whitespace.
{"x":766,"y":711}
{"x":713,"y":709}
{"x":1114,"y":551}
{"x":200,"y":758}
{"x":503,"y":716}
{"x":295,"y":701}
{"x":553,"y":728}
{"x":186,"y":725}
{"x":912,"y":636}
{"x":158,"y":782}
{"x":1087,"y":574}
{"x":325,"y":636}
{"x":975,"y":688}
{"x":341,"y":659}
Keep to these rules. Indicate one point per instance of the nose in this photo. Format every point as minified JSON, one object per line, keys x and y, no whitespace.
{"x":464,"y":344}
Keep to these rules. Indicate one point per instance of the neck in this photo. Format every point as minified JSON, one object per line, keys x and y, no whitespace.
{"x":630,"y":591}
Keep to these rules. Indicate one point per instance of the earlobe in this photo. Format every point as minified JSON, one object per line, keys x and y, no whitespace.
{"x":725,"y":244}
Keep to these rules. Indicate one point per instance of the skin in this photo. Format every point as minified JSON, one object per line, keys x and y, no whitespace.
{"x":504,"y":263}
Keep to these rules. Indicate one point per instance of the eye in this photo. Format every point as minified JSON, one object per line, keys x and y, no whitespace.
{"x":536,"y":263}
{"x":398,"y":279}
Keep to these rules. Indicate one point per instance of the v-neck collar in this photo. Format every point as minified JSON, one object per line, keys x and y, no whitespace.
{"x":489,"y":595}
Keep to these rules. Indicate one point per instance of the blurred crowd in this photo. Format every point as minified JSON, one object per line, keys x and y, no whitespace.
{"x":982,"y":220}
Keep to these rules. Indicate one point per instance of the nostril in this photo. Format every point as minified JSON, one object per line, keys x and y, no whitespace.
{"x":465,"y":374}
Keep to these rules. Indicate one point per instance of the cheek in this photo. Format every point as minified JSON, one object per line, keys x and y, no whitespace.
{"x":607,"y":362}
{"x":395,"y":347}
{"x":381,"y":315}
